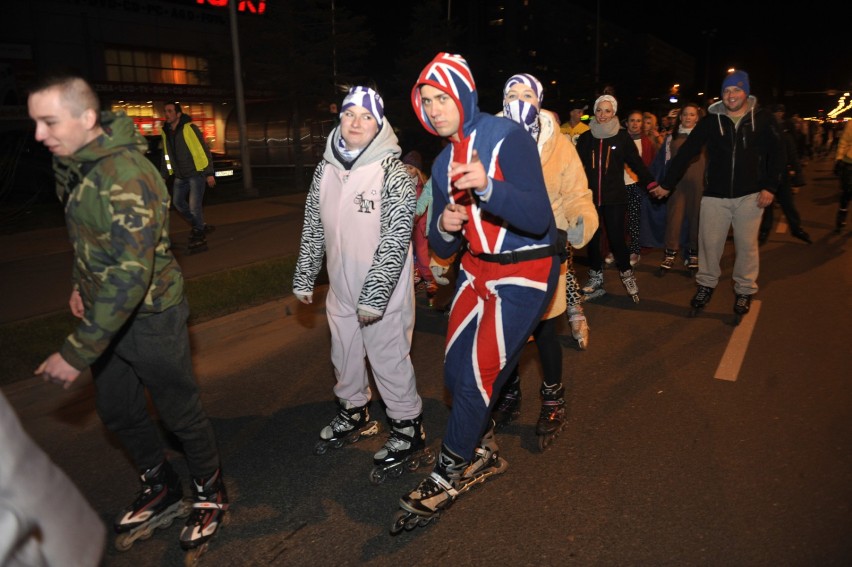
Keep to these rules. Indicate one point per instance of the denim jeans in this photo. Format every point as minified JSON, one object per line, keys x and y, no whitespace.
{"x":188,"y":199}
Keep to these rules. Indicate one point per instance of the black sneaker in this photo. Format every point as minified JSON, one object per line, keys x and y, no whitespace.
{"x":802,"y":235}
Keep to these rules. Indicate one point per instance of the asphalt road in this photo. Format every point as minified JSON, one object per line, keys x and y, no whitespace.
{"x":688,"y":441}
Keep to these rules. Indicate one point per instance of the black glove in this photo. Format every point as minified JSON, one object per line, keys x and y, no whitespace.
{"x":838,"y":167}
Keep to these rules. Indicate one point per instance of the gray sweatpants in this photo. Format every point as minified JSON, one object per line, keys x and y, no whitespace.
{"x":717,"y":217}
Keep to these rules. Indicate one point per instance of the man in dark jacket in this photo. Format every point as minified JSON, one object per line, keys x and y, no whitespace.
{"x":784,"y":194}
{"x":744,"y":166}
{"x":187,"y":156}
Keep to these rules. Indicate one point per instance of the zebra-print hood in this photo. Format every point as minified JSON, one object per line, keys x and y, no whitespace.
{"x":384,"y":144}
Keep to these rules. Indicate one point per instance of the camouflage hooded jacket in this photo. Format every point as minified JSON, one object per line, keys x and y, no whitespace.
{"x":117,"y":212}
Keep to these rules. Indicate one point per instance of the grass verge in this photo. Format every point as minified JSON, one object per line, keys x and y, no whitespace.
{"x":26,"y":343}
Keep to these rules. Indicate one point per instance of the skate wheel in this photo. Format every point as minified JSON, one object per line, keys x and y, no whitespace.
{"x":320,"y":448}
{"x":635,"y":298}
{"x":412,"y":464}
{"x":428,"y":457}
{"x":338,"y":443}
{"x":692,"y":313}
{"x":400,"y":521}
{"x":377,"y":475}
{"x":544,"y":442}
{"x":123,"y":542}
{"x":193,"y":556}
{"x":396,"y":472}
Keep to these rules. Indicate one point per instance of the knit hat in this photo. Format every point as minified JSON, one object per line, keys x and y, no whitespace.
{"x":610,"y":99}
{"x":737,"y":79}
{"x":413,"y":158}
{"x":369,"y":99}
{"x":525,"y":79}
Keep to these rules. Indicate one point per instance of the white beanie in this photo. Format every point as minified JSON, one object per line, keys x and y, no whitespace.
{"x":610,"y":99}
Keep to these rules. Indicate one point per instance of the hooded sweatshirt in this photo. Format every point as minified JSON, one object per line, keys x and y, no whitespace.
{"x":117,"y":214}
{"x":742,"y":158}
{"x":517,"y":213}
{"x":365,"y":259}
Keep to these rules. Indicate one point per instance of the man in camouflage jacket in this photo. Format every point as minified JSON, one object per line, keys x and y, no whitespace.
{"x":127,"y":286}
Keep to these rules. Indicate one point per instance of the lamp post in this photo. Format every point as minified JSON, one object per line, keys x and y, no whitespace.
{"x":248,"y":184}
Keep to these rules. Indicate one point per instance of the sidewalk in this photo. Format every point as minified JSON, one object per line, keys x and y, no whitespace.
{"x":36,"y":265}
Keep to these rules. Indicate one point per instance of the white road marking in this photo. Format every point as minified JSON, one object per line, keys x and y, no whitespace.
{"x":732,"y":359}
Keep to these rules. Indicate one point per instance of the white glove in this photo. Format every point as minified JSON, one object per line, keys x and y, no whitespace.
{"x":306,"y":298}
{"x":438,"y":272}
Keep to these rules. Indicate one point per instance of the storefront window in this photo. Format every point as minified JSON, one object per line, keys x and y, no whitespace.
{"x":139,"y":66}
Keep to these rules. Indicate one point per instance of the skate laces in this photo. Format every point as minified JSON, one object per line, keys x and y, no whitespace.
{"x":345,"y":421}
{"x":703,"y":294}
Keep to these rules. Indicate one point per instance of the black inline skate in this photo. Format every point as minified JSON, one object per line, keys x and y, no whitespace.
{"x":741,"y":307}
{"x":158,"y":503}
{"x":452,"y":477}
{"x":209,"y":513}
{"x":508,"y":406}
{"x":197,"y":242}
{"x":551,"y":420}
{"x":702,"y":298}
{"x":404,"y":450}
{"x":350,"y":425}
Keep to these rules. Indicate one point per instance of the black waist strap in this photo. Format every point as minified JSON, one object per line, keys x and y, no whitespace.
{"x":516,"y":256}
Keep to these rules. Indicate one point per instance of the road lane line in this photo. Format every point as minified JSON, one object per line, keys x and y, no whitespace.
{"x":732,"y":359}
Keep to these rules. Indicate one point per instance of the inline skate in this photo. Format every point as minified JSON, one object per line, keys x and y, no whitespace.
{"x":579,"y":325}
{"x":701,"y":299}
{"x":452,"y":477}
{"x":691,"y":263}
{"x":158,"y":503}
{"x":840,"y":223}
{"x":668,"y":262}
{"x":551,"y":420}
{"x":405,"y":449}
{"x":197,"y":241}
{"x":594,"y":287}
{"x":741,"y":307}
{"x":628,"y":278}
{"x":209,"y":513}
{"x":508,"y":406}
{"x":350,"y":425}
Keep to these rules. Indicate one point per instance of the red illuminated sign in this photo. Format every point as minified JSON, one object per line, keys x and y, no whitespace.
{"x":251,"y":6}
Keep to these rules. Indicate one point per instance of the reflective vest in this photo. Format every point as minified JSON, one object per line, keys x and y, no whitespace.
{"x":196,"y":148}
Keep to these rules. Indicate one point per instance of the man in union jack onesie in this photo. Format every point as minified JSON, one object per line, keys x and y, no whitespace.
{"x":488,"y":186}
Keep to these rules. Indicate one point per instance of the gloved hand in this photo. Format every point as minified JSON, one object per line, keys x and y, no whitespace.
{"x":838,"y":167}
{"x":366,"y":317}
{"x":438,"y":272}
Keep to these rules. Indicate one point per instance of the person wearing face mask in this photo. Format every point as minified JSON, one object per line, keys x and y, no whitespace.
{"x":576,"y":221}
{"x":359,"y":214}
{"x":604,"y":150}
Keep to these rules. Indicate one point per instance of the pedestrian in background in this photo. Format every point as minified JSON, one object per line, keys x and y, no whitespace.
{"x":128,"y":293}
{"x":423,"y":276}
{"x":359,"y":215}
{"x":843,"y":169}
{"x":489,"y":195}
{"x":187,"y":157}
{"x":636,"y":193}
{"x":791,"y":179}
{"x":684,"y":204}
{"x":604,"y":150}
{"x":744,"y":167}
{"x":576,"y":221}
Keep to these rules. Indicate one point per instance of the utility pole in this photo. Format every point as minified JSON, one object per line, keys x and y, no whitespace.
{"x":248,"y":184}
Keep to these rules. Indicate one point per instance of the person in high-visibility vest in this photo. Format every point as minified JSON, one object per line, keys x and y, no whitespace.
{"x":187,"y":156}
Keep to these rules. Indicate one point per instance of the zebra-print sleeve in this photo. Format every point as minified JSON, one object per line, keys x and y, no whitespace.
{"x":397,"y":219}
{"x":312,"y":247}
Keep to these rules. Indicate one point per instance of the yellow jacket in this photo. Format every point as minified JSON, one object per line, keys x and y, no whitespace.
{"x":844,"y":145}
